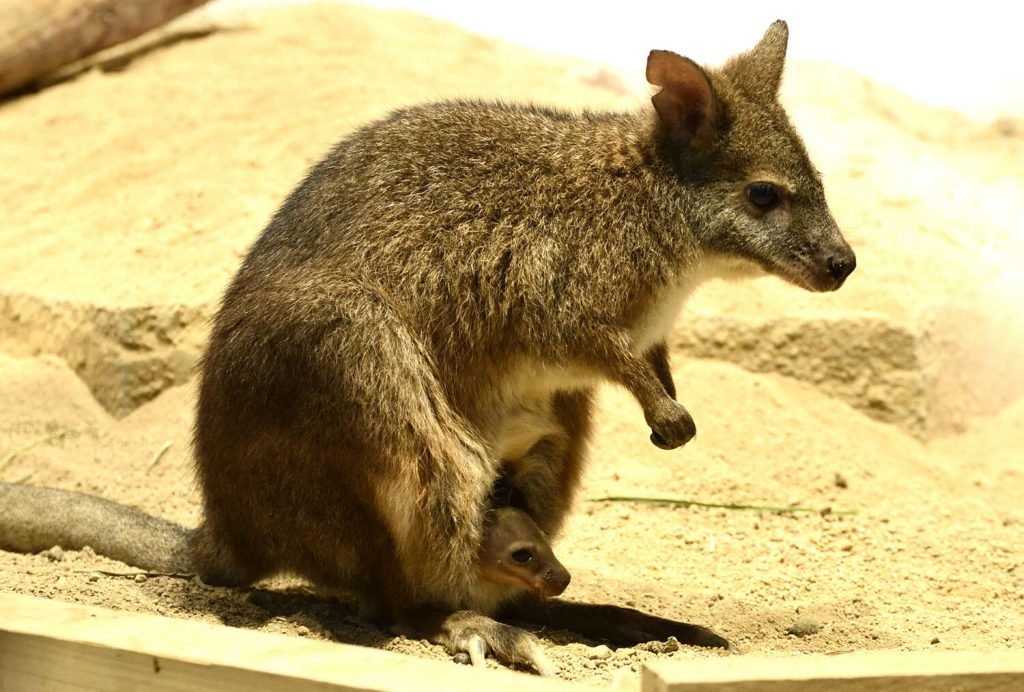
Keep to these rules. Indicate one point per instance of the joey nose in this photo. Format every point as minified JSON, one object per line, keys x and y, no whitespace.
{"x":842,"y":265}
{"x":555,"y":582}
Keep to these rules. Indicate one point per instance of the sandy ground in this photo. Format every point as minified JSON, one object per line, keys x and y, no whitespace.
{"x":143,"y":183}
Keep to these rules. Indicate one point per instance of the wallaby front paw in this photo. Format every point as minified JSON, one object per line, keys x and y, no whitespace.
{"x":671,"y":425}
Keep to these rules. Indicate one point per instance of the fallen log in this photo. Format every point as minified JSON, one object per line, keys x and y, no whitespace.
{"x":39,"y":36}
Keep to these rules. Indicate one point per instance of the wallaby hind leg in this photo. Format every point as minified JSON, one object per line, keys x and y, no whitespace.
{"x":362,"y":471}
{"x":431,"y":487}
{"x":215,"y":563}
{"x":328,"y":410}
{"x":615,"y":624}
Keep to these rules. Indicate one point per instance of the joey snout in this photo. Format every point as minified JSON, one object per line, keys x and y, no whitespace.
{"x":671,"y":424}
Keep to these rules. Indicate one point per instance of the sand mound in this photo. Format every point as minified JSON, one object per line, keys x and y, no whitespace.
{"x":133,"y":190}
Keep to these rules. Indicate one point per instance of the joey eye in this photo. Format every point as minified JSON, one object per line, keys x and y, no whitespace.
{"x":764,"y":196}
{"x":522,"y":556}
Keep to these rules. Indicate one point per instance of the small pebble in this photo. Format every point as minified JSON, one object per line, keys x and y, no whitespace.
{"x":840,"y":481}
{"x":139,"y":578}
{"x":94,"y":577}
{"x":623,"y":653}
{"x":600,"y":651}
{"x":804,"y":627}
{"x":665,"y":647}
{"x":54,"y":554}
{"x":935,"y":640}
{"x":302,"y":630}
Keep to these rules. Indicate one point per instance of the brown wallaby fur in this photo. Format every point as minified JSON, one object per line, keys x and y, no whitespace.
{"x":34,"y":519}
{"x":434,"y":304}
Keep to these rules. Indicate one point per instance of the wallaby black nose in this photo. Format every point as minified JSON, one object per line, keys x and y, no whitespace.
{"x":841,"y":266}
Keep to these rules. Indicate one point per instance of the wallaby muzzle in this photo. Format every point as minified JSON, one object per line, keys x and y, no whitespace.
{"x":841,"y":266}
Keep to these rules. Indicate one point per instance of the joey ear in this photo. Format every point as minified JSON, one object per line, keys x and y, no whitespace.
{"x":686,"y":102}
{"x":759,"y":71}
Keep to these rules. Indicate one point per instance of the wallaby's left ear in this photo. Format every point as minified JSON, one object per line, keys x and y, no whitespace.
{"x":759,"y":71}
{"x":686,"y":102}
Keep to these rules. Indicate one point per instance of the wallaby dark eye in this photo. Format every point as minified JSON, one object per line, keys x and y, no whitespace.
{"x":764,"y":196}
{"x":522,"y":556}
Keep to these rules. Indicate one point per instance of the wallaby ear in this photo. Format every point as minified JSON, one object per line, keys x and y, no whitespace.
{"x":686,"y":102}
{"x":759,"y":71}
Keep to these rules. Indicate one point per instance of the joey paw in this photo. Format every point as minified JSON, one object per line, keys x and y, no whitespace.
{"x":477,"y":636}
{"x":671,"y":424}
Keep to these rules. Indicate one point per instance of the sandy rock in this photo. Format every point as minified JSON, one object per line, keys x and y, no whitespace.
{"x":54,"y":554}
{"x":869,"y":362}
{"x":804,"y":627}
{"x":125,"y":355}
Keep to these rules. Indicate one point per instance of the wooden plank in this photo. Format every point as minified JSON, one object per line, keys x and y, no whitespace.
{"x":50,"y":645}
{"x":869,"y":671}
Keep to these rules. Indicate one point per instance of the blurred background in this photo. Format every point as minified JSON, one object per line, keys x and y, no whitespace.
{"x":966,"y":56}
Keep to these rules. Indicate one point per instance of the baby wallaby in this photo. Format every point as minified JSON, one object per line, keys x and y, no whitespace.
{"x":433,"y":306}
{"x":515,"y":551}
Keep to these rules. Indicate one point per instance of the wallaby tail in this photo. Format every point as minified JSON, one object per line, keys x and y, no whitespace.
{"x":34,"y":519}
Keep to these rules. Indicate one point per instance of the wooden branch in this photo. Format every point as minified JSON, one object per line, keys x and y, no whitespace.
{"x":39,"y":36}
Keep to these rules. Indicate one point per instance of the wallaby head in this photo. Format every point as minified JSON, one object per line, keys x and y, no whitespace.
{"x":757,"y":197}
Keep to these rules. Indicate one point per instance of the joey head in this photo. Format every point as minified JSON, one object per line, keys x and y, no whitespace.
{"x":515,"y":551}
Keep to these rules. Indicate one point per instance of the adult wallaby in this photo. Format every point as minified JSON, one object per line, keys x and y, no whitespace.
{"x":432,"y":307}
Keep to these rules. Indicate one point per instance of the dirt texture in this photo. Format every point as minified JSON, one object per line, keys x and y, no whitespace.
{"x":133,"y":188}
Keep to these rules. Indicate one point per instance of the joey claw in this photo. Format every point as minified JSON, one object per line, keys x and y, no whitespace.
{"x":479,"y":636}
{"x":540,"y":661}
{"x":476,"y":647}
